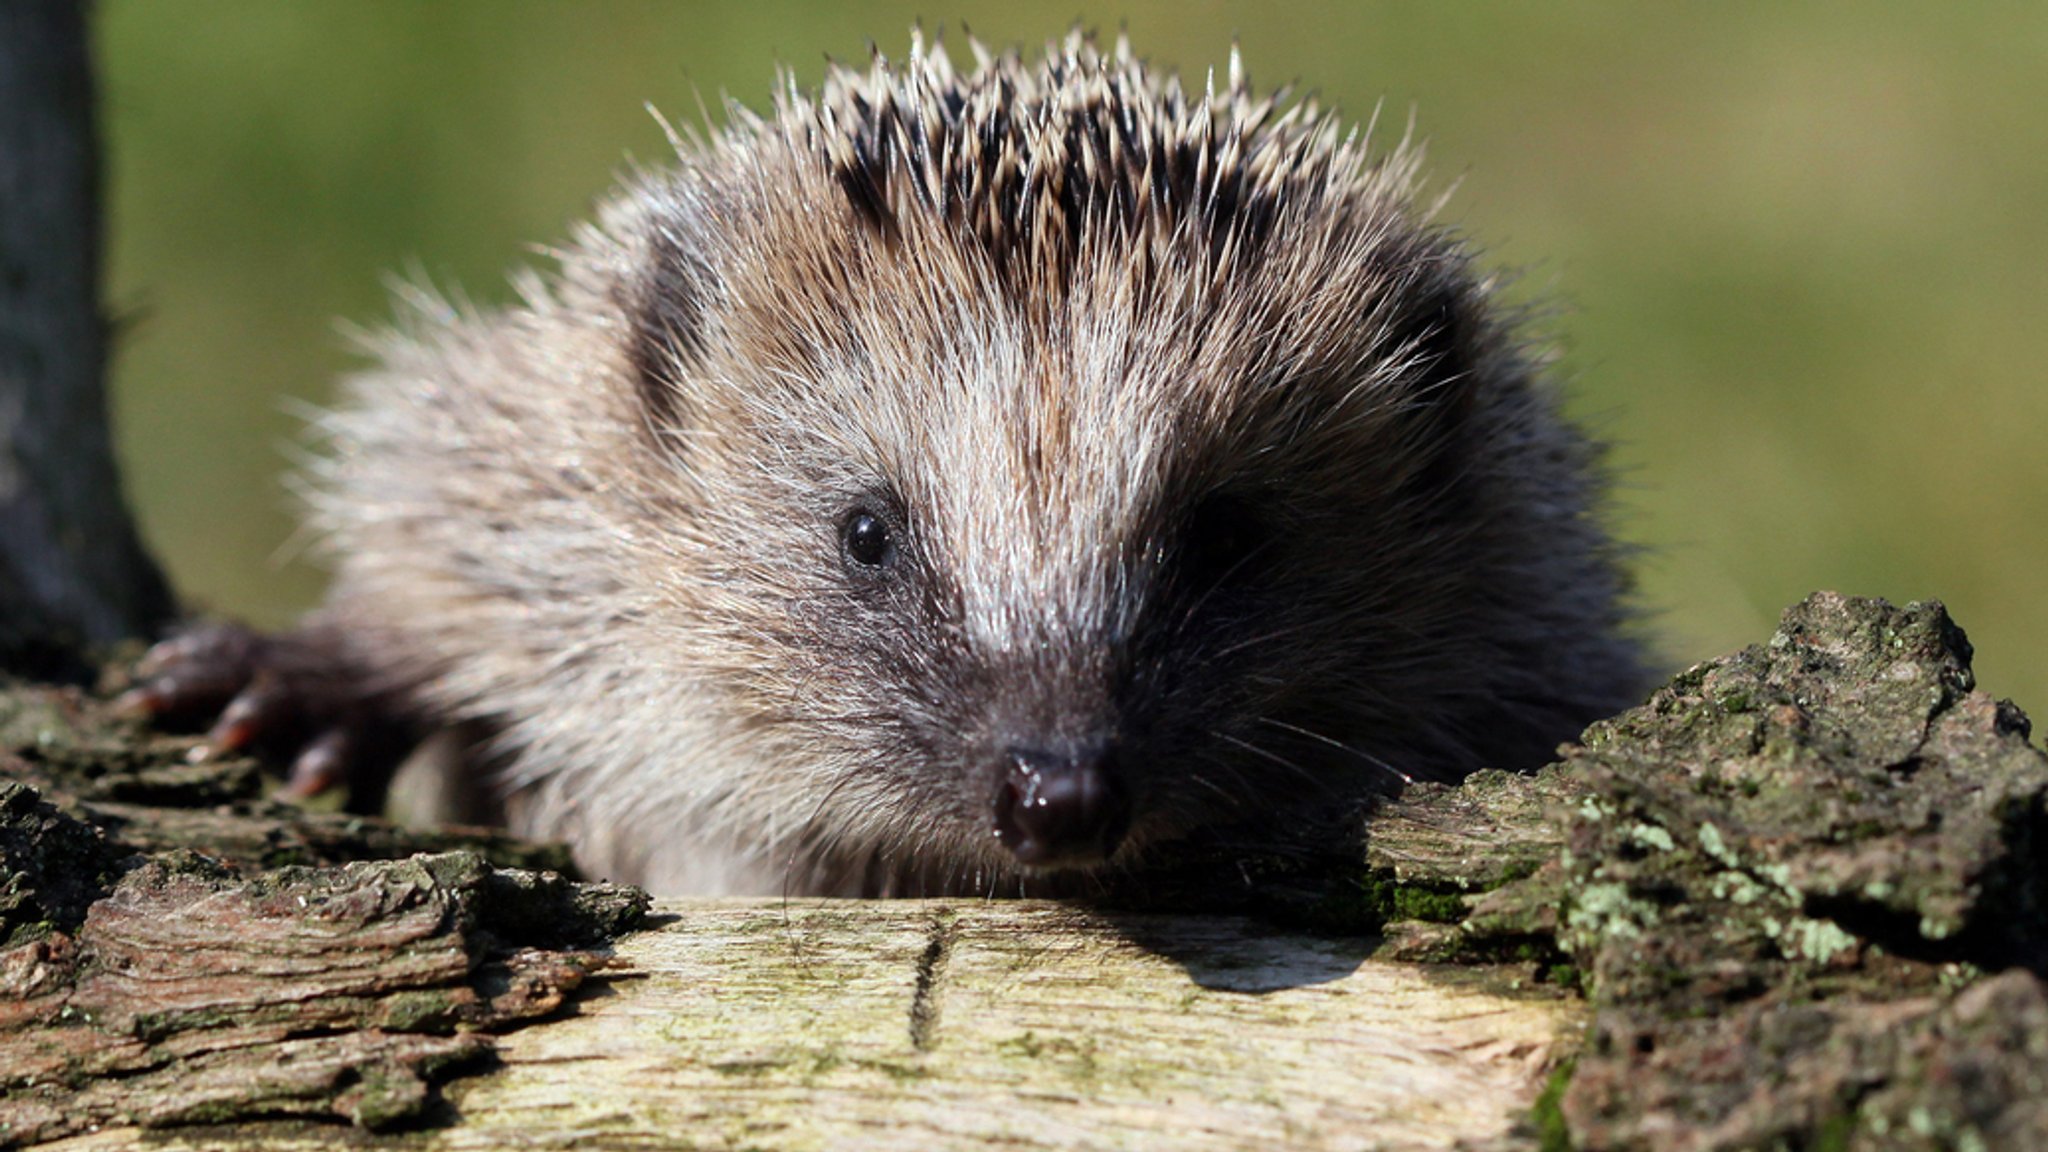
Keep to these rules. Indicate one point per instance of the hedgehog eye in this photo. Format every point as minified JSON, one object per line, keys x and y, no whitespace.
{"x":866,"y":540}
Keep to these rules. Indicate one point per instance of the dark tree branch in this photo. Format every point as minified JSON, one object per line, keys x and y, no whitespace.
{"x":73,"y":571}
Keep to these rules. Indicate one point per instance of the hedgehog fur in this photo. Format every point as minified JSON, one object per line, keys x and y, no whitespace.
{"x":946,"y":419}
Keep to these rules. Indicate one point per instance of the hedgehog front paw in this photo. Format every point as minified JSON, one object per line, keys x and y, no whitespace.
{"x":292,"y":698}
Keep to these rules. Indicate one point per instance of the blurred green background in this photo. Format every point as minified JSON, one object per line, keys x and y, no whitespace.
{"x":1800,"y":251}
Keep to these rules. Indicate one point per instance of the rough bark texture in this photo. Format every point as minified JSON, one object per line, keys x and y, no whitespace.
{"x":1808,"y":886}
{"x":73,"y":572}
{"x":142,"y":982}
{"x":1797,"y":900}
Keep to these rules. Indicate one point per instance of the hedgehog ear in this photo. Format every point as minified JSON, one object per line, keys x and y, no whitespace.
{"x":668,"y":318}
{"x":1437,"y":332}
{"x":1433,"y":328}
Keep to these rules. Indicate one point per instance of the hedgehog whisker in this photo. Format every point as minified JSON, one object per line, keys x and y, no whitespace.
{"x":1360,"y":753}
{"x":1271,"y":757}
{"x":1262,"y":638}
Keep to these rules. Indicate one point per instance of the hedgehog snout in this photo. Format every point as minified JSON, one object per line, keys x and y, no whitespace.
{"x":1066,"y":808}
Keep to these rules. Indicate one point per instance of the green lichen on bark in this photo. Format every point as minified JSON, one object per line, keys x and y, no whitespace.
{"x":1805,"y":885}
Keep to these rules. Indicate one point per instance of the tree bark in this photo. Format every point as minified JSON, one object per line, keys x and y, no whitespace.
{"x":73,"y":571}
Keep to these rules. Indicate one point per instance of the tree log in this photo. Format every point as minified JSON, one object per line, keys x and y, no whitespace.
{"x":1799,"y":899}
{"x":1016,"y":1024}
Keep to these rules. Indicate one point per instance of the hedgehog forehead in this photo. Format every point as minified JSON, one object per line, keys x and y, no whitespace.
{"x":1043,"y":444}
{"x":1048,"y":305}
{"x":1031,"y":457}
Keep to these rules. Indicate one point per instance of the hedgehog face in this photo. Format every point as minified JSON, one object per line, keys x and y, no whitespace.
{"x":1073,"y":463}
{"x":1050,"y":575}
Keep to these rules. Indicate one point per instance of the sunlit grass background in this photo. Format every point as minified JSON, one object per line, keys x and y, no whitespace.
{"x":1801,"y":250}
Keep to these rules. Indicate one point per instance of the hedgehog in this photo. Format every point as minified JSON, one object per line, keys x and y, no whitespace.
{"x":947,"y":481}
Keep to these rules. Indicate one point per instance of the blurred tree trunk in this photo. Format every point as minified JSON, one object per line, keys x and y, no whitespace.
{"x":73,"y":571}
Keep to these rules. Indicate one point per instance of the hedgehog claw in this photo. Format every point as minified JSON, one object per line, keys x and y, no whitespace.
{"x":264,"y":704}
{"x":322,"y":764}
{"x":290,"y":698}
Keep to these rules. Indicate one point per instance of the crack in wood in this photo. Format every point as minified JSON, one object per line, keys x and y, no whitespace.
{"x":931,"y":971}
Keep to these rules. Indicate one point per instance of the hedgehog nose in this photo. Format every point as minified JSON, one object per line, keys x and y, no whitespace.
{"x":1055,"y":810}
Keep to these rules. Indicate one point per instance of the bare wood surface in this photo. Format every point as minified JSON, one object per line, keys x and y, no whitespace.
{"x":772,"y":1025}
